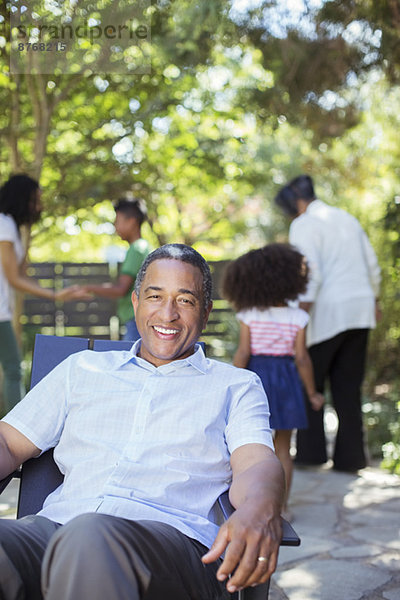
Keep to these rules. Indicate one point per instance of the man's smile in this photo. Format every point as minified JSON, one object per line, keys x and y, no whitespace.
{"x":165,"y":331}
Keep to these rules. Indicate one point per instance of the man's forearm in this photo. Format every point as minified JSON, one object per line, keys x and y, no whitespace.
{"x":250,"y":537}
{"x":261,"y":484}
{"x":15,"y":449}
{"x":7,"y":464}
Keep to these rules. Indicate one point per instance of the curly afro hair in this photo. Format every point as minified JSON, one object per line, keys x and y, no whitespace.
{"x":268,"y":276}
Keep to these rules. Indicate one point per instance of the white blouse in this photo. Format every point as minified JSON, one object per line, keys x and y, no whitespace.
{"x":8,"y":233}
{"x":345,"y":274}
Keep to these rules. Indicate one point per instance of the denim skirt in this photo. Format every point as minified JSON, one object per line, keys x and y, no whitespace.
{"x":284,"y":390}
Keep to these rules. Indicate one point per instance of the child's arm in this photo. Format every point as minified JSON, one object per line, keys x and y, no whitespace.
{"x":242,"y":354}
{"x":305,"y":369}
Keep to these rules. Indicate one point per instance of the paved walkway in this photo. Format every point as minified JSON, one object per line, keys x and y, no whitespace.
{"x":350,"y":531}
{"x":8,"y":500}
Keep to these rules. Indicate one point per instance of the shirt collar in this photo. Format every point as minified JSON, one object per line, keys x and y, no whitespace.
{"x":196,"y":360}
{"x":314,"y":206}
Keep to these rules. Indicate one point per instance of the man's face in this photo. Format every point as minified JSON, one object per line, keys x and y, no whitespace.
{"x":170,"y":311}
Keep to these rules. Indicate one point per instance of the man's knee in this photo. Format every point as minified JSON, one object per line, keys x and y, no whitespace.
{"x":84,"y":530}
{"x":87,"y":558}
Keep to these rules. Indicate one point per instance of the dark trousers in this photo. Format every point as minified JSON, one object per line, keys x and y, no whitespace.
{"x":10,"y":361}
{"x":341,"y":360}
{"x":101,"y":557}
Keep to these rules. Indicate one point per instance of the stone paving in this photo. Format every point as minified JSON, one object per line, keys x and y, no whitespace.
{"x":349,"y":526}
{"x":8,"y":500}
{"x":350,"y":531}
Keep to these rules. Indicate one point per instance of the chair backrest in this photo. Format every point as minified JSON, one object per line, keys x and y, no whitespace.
{"x":50,"y":350}
{"x":40,"y":476}
{"x":104,"y":345}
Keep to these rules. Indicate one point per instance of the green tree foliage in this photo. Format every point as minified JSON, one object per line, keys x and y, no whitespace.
{"x":236,"y":103}
{"x":373,"y":26}
{"x":91,"y":136}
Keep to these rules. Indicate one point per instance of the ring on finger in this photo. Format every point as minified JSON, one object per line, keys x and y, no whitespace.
{"x":262,"y":559}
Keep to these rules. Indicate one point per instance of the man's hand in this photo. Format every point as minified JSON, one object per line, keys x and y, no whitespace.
{"x":250,"y":538}
{"x":251,"y":543}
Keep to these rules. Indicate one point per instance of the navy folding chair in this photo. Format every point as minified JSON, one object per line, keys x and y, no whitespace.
{"x":40,"y":476}
{"x":104,"y":345}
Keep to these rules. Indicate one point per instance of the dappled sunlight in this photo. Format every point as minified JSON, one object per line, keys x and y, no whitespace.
{"x":330,"y":420}
{"x":301,"y":583}
{"x":307,"y":579}
{"x":372,"y":486}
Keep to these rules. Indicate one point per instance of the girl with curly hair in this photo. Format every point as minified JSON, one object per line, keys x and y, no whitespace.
{"x":260,"y":285}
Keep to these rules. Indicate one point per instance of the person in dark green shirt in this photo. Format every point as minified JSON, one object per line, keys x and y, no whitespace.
{"x":130,"y":213}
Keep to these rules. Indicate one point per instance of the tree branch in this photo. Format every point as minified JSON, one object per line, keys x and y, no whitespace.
{"x":13,"y":128}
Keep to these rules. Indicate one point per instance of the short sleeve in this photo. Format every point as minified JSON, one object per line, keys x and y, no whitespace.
{"x":248,"y":418}
{"x":302,"y":317}
{"x":244,"y":316}
{"x":8,"y":231}
{"x":40,"y":415}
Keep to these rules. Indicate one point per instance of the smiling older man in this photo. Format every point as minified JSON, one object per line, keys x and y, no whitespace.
{"x":147,"y":439}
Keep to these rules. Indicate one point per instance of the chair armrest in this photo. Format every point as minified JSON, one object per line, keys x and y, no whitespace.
{"x":289,"y":536}
{"x":4,"y":482}
{"x":225,"y":505}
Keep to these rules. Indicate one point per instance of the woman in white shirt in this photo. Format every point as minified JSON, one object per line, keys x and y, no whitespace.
{"x":342,"y":298}
{"x":19,"y":205}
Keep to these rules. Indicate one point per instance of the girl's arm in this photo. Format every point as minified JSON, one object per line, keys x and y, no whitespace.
{"x":242,"y":354}
{"x":305,"y":369}
{"x":23,"y":283}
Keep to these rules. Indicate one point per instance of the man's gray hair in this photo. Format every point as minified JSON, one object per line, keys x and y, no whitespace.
{"x":185,"y":254}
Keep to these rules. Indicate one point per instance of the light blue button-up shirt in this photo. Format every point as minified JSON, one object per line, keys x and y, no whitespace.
{"x":142,"y":442}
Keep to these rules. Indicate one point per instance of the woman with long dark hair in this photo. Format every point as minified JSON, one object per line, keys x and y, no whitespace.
{"x":19,"y":205}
